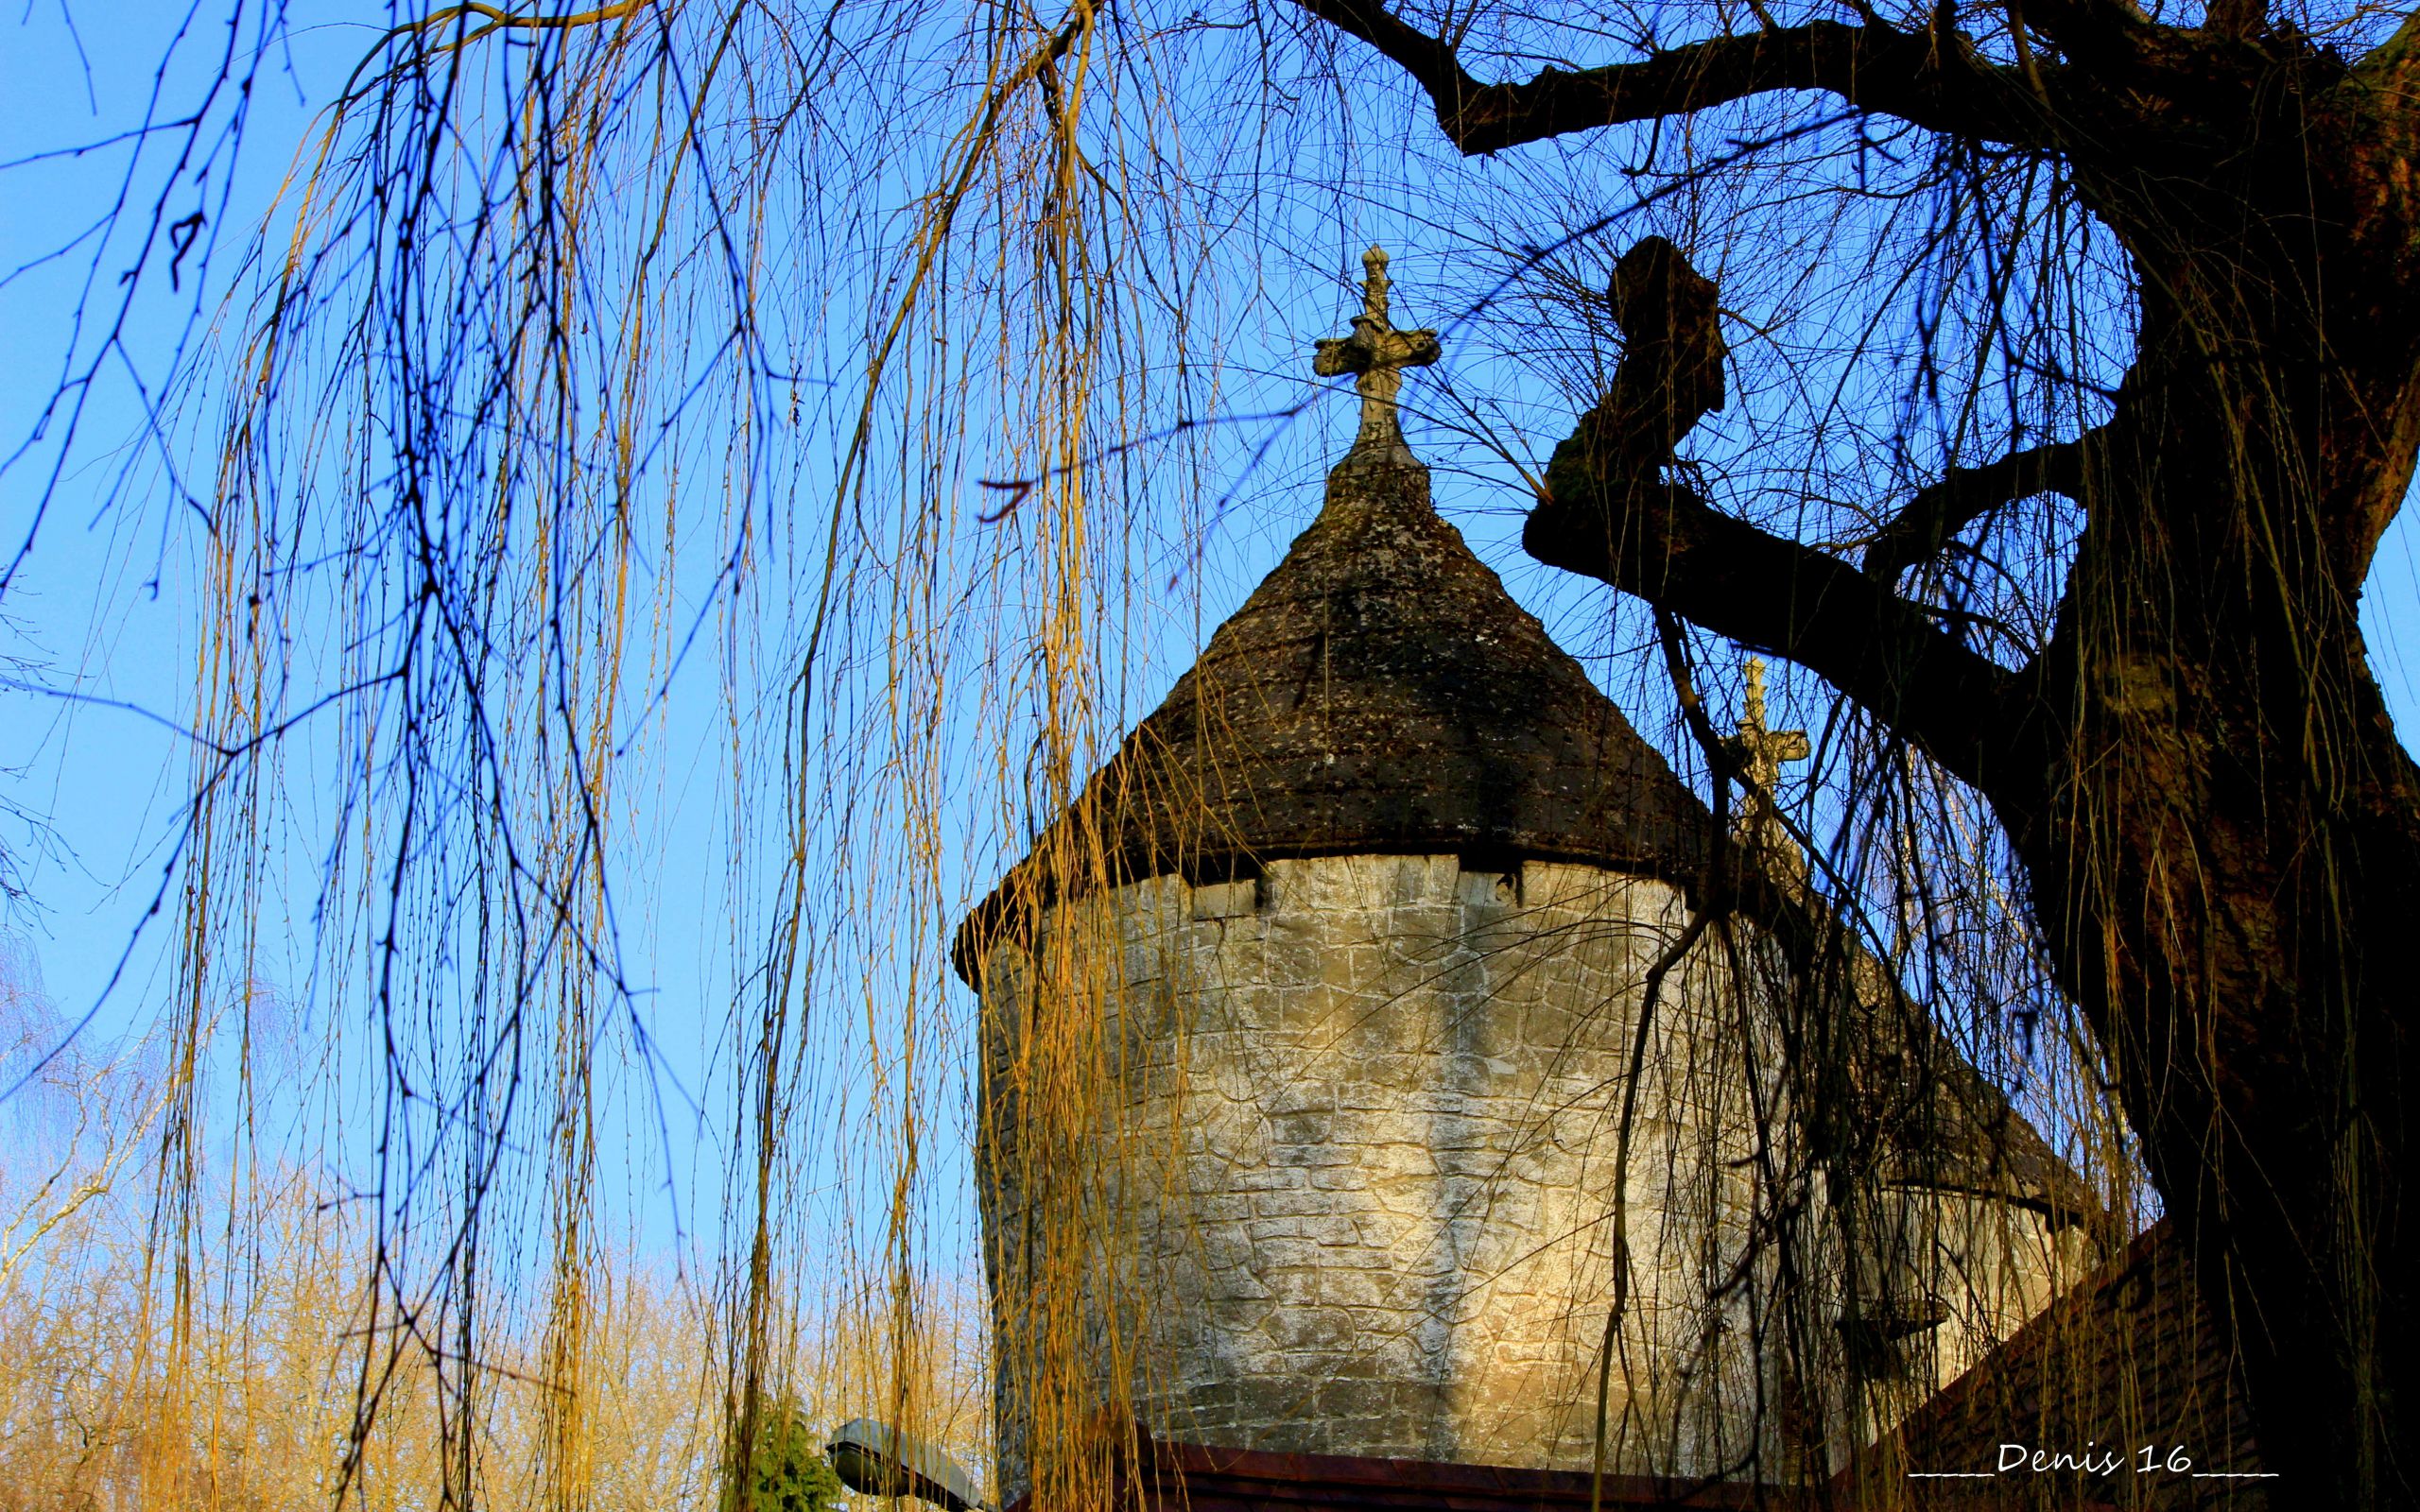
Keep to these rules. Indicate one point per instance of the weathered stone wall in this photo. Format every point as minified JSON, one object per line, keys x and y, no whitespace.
{"x":2131,"y":1357}
{"x":1352,"y":1154}
{"x":1324,"y":1160}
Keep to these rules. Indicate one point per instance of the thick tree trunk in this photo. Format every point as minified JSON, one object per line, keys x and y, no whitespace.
{"x":2221,"y":832}
{"x":2223,"y":842}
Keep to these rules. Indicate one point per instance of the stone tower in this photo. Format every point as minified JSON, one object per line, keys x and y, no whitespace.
{"x":1307,"y":1031}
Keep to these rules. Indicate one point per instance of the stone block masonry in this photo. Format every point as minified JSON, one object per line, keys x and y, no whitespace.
{"x":1354,"y":1163}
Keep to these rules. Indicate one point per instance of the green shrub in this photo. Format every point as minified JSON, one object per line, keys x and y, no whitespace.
{"x":789,"y":1473}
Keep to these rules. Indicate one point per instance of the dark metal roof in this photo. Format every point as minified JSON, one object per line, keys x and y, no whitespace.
{"x":1379,"y":693}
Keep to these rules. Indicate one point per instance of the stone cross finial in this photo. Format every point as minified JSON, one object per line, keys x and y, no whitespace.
{"x":1762,"y":750}
{"x":1376,"y":354}
{"x":1760,"y":753}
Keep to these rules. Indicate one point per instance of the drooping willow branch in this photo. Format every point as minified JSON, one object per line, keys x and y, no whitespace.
{"x":493,"y":19}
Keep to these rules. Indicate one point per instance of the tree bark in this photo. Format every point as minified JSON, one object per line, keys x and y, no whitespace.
{"x":2220,"y":830}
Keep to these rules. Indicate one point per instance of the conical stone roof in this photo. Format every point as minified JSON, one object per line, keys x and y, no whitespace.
{"x":1379,"y":693}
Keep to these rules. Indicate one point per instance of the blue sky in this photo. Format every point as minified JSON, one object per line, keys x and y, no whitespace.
{"x":105,"y":605}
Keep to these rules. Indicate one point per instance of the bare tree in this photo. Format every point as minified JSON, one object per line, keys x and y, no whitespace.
{"x":2219,"y":832}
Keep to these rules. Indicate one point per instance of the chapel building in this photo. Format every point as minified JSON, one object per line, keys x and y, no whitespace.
{"x":1359,"y":1043}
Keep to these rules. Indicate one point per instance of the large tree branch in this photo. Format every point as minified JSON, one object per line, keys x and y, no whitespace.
{"x":1668,"y":546}
{"x":2388,"y":77}
{"x":1934,"y":81}
{"x":2100,"y":33}
{"x":1942,"y":509}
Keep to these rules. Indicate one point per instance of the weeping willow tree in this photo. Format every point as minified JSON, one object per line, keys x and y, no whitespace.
{"x":883,"y":373}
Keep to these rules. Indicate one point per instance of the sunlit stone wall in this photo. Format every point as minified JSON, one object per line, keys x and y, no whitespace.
{"x":1342,"y":1180}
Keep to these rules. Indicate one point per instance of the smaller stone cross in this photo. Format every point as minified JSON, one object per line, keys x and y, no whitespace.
{"x":1760,"y":753}
{"x":1376,"y":354}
